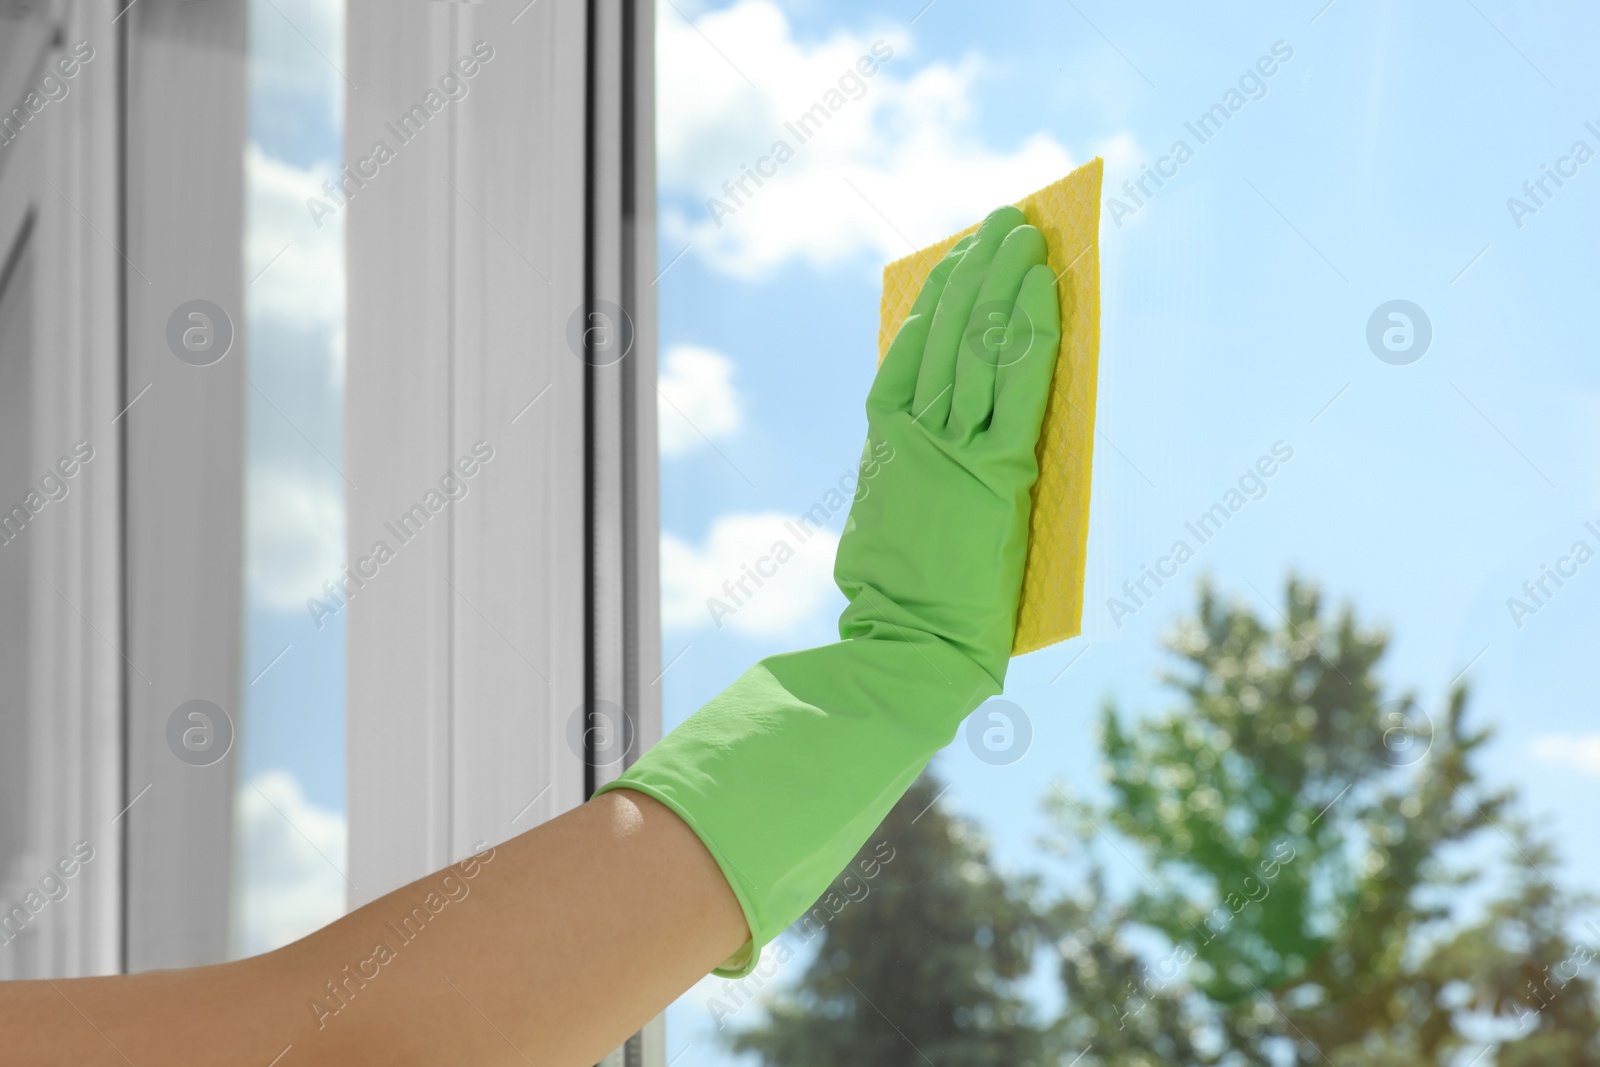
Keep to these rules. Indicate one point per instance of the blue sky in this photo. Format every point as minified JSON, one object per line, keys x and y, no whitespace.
{"x":291,"y":736}
{"x":1376,"y":165}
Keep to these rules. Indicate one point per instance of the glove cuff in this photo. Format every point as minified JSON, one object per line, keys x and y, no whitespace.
{"x":786,"y":773}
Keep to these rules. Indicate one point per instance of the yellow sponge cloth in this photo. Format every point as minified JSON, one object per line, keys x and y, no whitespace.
{"x":1068,"y":214}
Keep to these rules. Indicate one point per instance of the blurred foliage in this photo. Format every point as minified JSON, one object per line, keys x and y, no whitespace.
{"x":1292,"y":866}
{"x":920,"y":965}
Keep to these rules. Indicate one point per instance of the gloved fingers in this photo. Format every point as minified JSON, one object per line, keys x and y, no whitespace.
{"x":1022,"y":386}
{"x":936,"y":378}
{"x":896,"y":381}
{"x":985,"y":345}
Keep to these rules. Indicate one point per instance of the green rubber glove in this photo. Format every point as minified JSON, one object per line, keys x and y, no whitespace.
{"x":786,"y":772}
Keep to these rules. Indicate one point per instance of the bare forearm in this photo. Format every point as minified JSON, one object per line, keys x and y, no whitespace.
{"x":551,"y":950}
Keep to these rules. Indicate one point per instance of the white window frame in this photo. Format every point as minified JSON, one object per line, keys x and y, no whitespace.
{"x":59,"y":191}
{"x":535,"y":596}
{"x":525,"y":206}
{"x":185,"y":107}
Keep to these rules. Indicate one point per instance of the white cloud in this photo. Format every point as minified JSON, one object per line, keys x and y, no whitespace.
{"x":336,"y":352}
{"x":907,"y":143}
{"x":1578,"y":751}
{"x":286,"y":889}
{"x":790,"y":597}
{"x":295,"y":535}
{"x":698,"y":398}
{"x":295,"y":522}
{"x":295,"y":270}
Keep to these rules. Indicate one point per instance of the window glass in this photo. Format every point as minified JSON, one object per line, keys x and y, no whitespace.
{"x":290,"y":816}
{"x":1313,"y":780}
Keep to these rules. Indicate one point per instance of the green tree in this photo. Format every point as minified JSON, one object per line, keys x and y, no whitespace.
{"x":1284,"y":831}
{"x":1520,"y":961}
{"x":917,"y":963}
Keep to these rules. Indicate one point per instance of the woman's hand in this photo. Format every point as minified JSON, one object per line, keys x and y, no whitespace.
{"x":938,"y":532}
